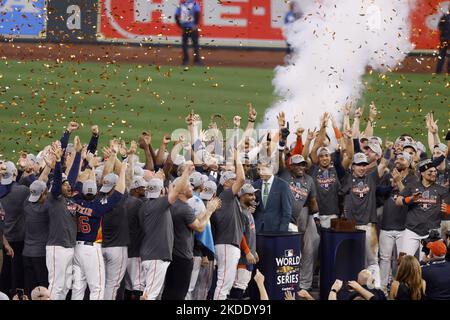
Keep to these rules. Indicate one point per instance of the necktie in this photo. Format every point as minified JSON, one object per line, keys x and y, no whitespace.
{"x":265,"y":193}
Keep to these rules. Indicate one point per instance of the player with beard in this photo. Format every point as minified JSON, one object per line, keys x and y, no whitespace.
{"x":393,"y":221}
{"x":423,"y":199}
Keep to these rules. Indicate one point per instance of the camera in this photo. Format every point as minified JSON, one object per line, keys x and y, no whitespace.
{"x":432,"y":237}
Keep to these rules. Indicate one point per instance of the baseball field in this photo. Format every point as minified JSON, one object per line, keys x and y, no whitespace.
{"x":38,"y":98}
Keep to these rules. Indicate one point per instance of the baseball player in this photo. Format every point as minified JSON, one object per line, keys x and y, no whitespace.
{"x":12,"y":202}
{"x":62,"y":227}
{"x":88,"y":264}
{"x":134,"y":277}
{"x":423,"y":199}
{"x":227,"y":228}
{"x":115,"y":239}
{"x":185,"y":222}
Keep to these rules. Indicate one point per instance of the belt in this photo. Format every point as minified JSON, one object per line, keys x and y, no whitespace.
{"x":86,"y":243}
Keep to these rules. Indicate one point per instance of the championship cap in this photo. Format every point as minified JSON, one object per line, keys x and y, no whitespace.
{"x":425,"y":165}
{"x":376,"y":140}
{"x":154,"y":188}
{"x":246,"y":189}
{"x":420,"y":146}
{"x":405,"y":156}
{"x":138,"y":182}
{"x":323,"y":150}
{"x":179,"y":160}
{"x":208,"y":190}
{"x":195,"y":179}
{"x":375,"y":147}
{"x":297,"y":159}
{"x":109,"y":182}
{"x":442,"y":147}
{"x":7,"y":177}
{"x":89,"y":187}
{"x":227,"y":175}
{"x":37,"y":188}
{"x":410,"y":145}
{"x":438,"y":248}
{"x":360,"y":158}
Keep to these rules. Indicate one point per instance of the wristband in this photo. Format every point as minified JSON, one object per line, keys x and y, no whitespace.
{"x":337,"y":133}
{"x":333,"y":290}
{"x":407,"y":200}
{"x":250,"y":120}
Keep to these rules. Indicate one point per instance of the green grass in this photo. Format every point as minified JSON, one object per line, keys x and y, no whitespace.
{"x":37,"y":99}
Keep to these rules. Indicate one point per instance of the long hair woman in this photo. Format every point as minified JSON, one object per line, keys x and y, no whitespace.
{"x":408,"y":284}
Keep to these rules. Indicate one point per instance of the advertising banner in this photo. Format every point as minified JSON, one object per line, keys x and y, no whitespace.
{"x":72,"y":20}
{"x":22,"y":18}
{"x":246,"y":23}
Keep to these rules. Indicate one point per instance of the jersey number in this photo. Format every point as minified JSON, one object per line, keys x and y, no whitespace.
{"x":83,"y":224}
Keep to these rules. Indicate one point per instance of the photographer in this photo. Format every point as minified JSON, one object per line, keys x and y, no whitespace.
{"x":437,"y":272}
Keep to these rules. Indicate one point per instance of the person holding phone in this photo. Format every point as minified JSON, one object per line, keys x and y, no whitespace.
{"x":423,"y":199}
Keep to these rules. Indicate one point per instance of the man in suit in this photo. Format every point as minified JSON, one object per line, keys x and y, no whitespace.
{"x":274,"y":210}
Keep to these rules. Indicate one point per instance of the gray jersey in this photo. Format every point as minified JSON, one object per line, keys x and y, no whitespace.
{"x":426,"y":213}
{"x":250,"y":235}
{"x":63,"y":222}
{"x":158,"y":230}
{"x":394,"y":217}
{"x":227,"y":222}
{"x":443,"y":179}
{"x":182,"y":217}
{"x":14,"y":218}
{"x":327,"y":188}
{"x":360,"y":197}
{"x":115,"y":226}
{"x":302,"y":190}
{"x":36,"y":229}
{"x":133,"y":205}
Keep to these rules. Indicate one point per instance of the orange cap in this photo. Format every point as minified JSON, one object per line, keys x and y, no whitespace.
{"x":438,"y":248}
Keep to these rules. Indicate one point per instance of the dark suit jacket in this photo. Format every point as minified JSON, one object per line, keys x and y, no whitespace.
{"x":277,"y":213}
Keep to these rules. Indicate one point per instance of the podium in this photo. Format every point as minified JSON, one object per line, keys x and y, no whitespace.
{"x":279,"y":262}
{"x":342,"y":257}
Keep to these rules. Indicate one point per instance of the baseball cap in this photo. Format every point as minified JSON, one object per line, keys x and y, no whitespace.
{"x":7,"y":177}
{"x":323,"y":150}
{"x":375,"y":147}
{"x":360,"y":158}
{"x":37,"y":188}
{"x":420,"y":146}
{"x":246,"y":189}
{"x":3,"y":296}
{"x":89,"y":187}
{"x":405,"y":156}
{"x":109,"y":182}
{"x":376,"y":140}
{"x":99,"y":174}
{"x":31,"y":157}
{"x":154,"y":188}
{"x":438,"y":248}
{"x":227,"y":175}
{"x":208,"y":190}
{"x":138,"y":182}
{"x":179,"y":160}
{"x":425,"y":165}
{"x":40,"y":293}
{"x":442,"y":147}
{"x":296,"y":159}
{"x":205,"y":178}
{"x":362,"y":140}
{"x":410,"y":145}
{"x":195,"y":179}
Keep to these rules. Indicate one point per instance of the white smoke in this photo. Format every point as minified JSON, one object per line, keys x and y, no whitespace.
{"x":335,"y":41}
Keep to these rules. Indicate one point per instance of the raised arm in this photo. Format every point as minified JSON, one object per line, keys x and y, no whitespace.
{"x":57,"y":176}
{"x":120,"y":186}
{"x":240,"y":174}
{"x":202,"y":219}
{"x":320,"y":137}
{"x":92,"y":146}
{"x":161,"y":151}
{"x":173,"y":192}
{"x":144,"y":143}
{"x":75,"y":168}
{"x":433,"y":137}
{"x":71,"y":127}
{"x":368,"y":132}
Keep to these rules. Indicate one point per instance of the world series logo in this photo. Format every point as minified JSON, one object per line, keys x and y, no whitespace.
{"x":288,"y":268}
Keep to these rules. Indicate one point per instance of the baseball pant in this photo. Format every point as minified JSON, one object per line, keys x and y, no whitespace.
{"x":194,"y":277}
{"x":325,"y":221}
{"x":36,"y":273}
{"x":59,"y":262}
{"x":309,"y":252}
{"x":17,"y":275}
{"x":372,"y":251}
{"x":178,"y":277}
{"x":411,"y":243}
{"x":445,"y":226}
{"x":227,"y":257}
{"x":388,"y":239}
{"x":154,"y":275}
{"x":243,"y":277}
{"x":88,"y":270}
{"x":115,"y":259}
{"x":204,"y":281}
{"x":134,"y":277}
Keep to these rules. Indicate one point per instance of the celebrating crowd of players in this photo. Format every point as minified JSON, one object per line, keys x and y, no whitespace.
{"x":183,"y":224}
